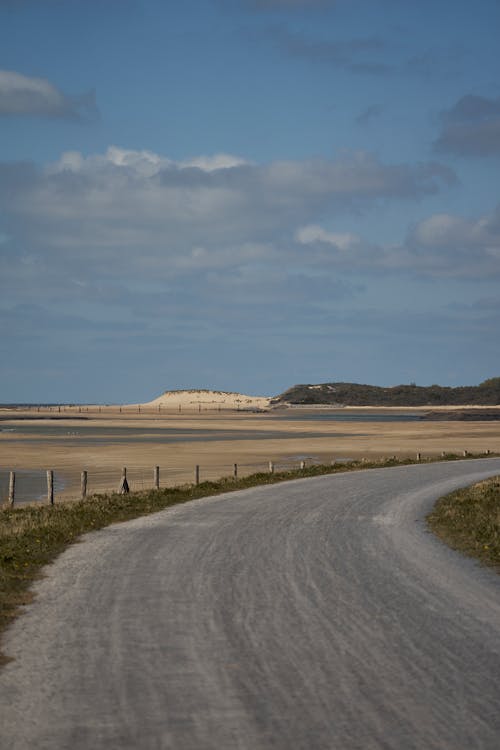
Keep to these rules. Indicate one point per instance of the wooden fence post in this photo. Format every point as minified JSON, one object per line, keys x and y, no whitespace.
{"x":235,"y":471}
{"x":302,"y":465}
{"x":50,"y":487}
{"x":419,"y":456}
{"x":124,"y":488}
{"x":157,"y":477}
{"x":465,"y":453}
{"x":271,"y":467}
{"x":83,"y":485}
{"x":197,"y":474}
{"x":12,"y":487}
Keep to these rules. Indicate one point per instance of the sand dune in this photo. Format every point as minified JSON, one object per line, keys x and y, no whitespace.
{"x":194,"y":399}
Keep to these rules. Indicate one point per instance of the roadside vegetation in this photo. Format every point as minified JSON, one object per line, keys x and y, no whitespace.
{"x":31,"y":536}
{"x":469,"y":521}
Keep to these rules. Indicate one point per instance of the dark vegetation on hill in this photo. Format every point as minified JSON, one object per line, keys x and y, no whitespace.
{"x":355,"y":394}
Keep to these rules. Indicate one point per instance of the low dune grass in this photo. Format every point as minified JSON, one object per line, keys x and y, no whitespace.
{"x":469,"y":521}
{"x":31,"y":536}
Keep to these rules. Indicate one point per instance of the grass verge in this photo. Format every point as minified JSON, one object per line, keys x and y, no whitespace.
{"x":468,"y":520}
{"x":32,"y":536}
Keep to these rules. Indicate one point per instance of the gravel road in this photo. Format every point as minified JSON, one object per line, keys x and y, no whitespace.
{"x":316,"y":614}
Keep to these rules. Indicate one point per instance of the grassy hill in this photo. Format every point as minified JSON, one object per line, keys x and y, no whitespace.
{"x":355,"y":394}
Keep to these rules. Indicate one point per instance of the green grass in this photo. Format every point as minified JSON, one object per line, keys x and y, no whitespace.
{"x":469,"y":520}
{"x":32,"y":536}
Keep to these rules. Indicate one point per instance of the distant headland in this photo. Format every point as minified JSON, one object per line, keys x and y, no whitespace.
{"x":339,"y":394}
{"x":486,"y":393}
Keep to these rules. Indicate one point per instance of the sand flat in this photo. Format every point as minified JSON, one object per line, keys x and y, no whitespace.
{"x":223,"y":438}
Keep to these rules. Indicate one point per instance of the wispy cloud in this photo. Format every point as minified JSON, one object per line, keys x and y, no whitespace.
{"x":471,"y":127}
{"x":289,"y":4}
{"x":361,"y":55}
{"x":28,"y":96}
{"x":368,"y":114}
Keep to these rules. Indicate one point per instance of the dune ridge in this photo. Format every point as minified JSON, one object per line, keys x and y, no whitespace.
{"x":208,"y":398}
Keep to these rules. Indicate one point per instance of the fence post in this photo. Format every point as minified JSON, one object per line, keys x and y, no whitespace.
{"x":83,"y":485}
{"x":50,"y":487}
{"x":302,"y":465}
{"x":157,"y":477}
{"x":12,"y":487}
{"x":271,"y":467}
{"x":124,"y":488}
{"x":465,"y":453}
{"x":197,"y":474}
{"x":419,"y":456}
{"x":235,"y":471}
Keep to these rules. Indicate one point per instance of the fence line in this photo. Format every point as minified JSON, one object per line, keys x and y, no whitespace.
{"x":29,"y":486}
{"x":22,"y":486}
{"x":133,"y":409}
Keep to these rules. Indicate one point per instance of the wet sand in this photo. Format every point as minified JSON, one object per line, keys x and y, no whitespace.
{"x":216,"y":441}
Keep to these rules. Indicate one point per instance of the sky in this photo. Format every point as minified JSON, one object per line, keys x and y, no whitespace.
{"x":247,"y":194}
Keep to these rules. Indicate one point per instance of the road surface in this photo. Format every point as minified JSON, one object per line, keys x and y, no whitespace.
{"x":316,"y":614}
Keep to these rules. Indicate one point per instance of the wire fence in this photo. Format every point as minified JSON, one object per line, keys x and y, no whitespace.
{"x":134,"y":409}
{"x":37,"y":485}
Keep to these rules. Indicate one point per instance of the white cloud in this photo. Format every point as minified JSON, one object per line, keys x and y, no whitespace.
{"x":313,"y":233}
{"x":441,"y":230}
{"x":442,"y":245}
{"x":145,"y":201}
{"x":469,"y":245}
{"x":136,"y":217}
{"x":215,"y":162}
{"x":144,"y":163}
{"x":23,"y":95}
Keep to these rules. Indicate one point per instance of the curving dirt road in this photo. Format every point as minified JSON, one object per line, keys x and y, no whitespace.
{"x":316,"y":614}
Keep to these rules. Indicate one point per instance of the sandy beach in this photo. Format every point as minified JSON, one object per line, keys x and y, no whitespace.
{"x":102,"y":440}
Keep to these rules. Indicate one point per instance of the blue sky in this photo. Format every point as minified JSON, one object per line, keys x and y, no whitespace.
{"x":247,"y":194}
